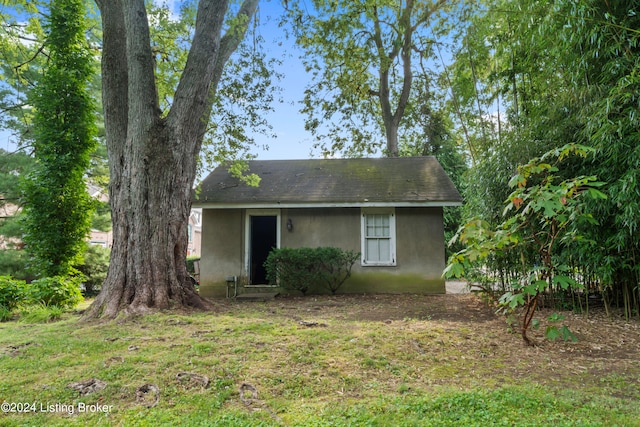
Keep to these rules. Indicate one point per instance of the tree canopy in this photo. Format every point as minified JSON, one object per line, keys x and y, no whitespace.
{"x":563,"y":73}
{"x":371,"y":64}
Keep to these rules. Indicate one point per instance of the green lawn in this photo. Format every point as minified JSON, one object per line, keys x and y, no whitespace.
{"x":325,"y":361}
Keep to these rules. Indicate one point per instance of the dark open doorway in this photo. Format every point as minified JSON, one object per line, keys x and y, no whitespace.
{"x":262,"y":239}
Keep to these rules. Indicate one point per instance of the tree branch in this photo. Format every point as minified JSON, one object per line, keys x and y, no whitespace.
{"x":191,"y":96}
{"x":35,"y":55}
{"x":115,"y":87}
{"x":228,"y":44}
{"x":232,"y":39}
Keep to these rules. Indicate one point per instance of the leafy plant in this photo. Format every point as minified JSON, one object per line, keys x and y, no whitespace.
{"x":58,"y":208}
{"x":553,"y":332}
{"x":334,"y":266}
{"x":564,"y":71}
{"x":5,"y":314}
{"x":61,"y":291}
{"x":12,"y":292}
{"x":546,"y":214}
{"x":303,"y":268}
{"x":292,"y":268}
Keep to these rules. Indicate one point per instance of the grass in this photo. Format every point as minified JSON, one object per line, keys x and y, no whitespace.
{"x":266,"y":368}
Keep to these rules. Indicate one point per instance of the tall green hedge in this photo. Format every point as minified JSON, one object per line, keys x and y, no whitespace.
{"x":57,"y":205}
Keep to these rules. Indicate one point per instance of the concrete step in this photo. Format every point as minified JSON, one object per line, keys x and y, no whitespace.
{"x":257,"y":296}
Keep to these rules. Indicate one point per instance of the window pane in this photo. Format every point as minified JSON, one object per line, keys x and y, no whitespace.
{"x":385,"y":249}
{"x":377,"y":225}
{"x":378,"y":250}
{"x":373,"y":253}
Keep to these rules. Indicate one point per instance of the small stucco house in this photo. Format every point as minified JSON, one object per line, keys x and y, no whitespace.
{"x":388,"y":209}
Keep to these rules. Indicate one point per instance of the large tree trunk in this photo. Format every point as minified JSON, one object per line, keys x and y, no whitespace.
{"x":152,"y":159}
{"x":391,"y":118}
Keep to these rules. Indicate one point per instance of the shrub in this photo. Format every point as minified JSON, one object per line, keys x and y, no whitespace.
{"x":61,"y":291}
{"x":5,"y":314}
{"x":303,"y":268}
{"x":334,"y":267}
{"x":12,"y":293}
{"x":291,"y":268}
{"x":94,"y":268}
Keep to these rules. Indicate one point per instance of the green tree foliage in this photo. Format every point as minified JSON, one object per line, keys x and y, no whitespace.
{"x":440,"y":140}
{"x":547,"y":215}
{"x":12,"y":165}
{"x":94,"y":267}
{"x":24,"y":53}
{"x":556,"y":74}
{"x":57,"y":206}
{"x":245,"y":90}
{"x":13,"y":260}
{"x":21,"y":38}
{"x":371,"y":70}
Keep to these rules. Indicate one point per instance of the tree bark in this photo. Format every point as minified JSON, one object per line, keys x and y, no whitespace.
{"x":152,"y":159}
{"x":391,"y":118}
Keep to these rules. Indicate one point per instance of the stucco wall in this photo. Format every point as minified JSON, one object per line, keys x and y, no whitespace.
{"x":419,"y":247}
{"x":222,"y":249}
{"x":339,"y":227}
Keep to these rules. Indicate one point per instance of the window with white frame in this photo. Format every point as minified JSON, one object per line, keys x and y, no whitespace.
{"x":378,"y":237}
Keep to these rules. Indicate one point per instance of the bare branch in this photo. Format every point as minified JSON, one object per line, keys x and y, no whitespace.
{"x":35,"y":55}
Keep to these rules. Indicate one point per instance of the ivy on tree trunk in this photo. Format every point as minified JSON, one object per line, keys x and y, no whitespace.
{"x":58,"y":207}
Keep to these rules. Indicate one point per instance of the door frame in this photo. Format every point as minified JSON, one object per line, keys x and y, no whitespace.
{"x":247,"y":237}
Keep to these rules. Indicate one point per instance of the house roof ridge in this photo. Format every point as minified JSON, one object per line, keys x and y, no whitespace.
{"x":418,"y":180}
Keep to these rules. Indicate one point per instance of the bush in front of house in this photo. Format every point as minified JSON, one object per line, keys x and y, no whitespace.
{"x":334,"y":267}
{"x":304,"y":268}
{"x":291,"y":268}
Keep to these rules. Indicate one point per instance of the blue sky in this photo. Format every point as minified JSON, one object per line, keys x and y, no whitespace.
{"x":292,"y":141}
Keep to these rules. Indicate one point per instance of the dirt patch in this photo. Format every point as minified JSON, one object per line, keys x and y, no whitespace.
{"x":464,"y":336}
{"x":463,"y":308}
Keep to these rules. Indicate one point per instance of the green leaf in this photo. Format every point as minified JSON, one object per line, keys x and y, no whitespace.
{"x":596,"y":194}
{"x":511,"y":300}
{"x":565,"y":282}
{"x":454,"y":270}
{"x":535,"y":324}
{"x":567,"y":335}
{"x":555,"y":317}
{"x":552,"y":333}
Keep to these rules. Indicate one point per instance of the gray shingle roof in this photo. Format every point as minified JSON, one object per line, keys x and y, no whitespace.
{"x":401,"y":181}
